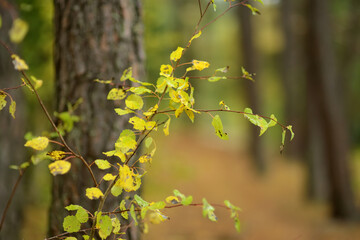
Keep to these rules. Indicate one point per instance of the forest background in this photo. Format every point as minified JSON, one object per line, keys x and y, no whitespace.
{"x":282,"y":196}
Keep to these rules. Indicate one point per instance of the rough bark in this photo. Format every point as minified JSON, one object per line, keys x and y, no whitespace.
{"x":248,"y":53}
{"x":94,"y":39}
{"x":324,"y":89}
{"x":11,"y":136}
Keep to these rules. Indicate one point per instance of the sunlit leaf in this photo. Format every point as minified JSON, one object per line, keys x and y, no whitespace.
{"x":218,"y":126}
{"x":39,"y":143}
{"x":71,"y":224}
{"x":59,"y":167}
{"x":139,"y":124}
{"x":166,"y":127}
{"x":116,"y":94}
{"x":198,"y":34}
{"x":151,"y":125}
{"x":93,"y":193}
{"x":2,"y":101}
{"x":166,"y":70}
{"x":140,"y":90}
{"x":109,"y":177}
{"x":12,"y":108}
{"x":121,"y":112}
{"x":56,"y":155}
{"x":198,"y":65}
{"x":105,"y":226}
{"x":102,"y":164}
{"x":18,"y":30}
{"x":116,"y":225}
{"x":134,"y":102}
{"x":19,"y":64}
{"x":176,"y":55}
{"x":70,"y":238}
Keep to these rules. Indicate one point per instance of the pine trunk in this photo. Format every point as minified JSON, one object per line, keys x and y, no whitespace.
{"x":94,"y":39}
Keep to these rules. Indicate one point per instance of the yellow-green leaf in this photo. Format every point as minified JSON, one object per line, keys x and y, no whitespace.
{"x":151,"y":125}
{"x":71,"y":224}
{"x":218,"y":126}
{"x":176,"y":55}
{"x":123,"y":209}
{"x":105,"y":226}
{"x":37,"y":82}
{"x":116,"y":94}
{"x":102,"y":164}
{"x":18,"y":30}
{"x":134,"y":102}
{"x":121,"y":112}
{"x":198,"y":34}
{"x":116,"y":190}
{"x":166,"y":127}
{"x":39,"y":143}
{"x":116,"y":225}
{"x":140,"y":90}
{"x":19,"y":64}
{"x":139,"y":124}
{"x":59,"y":167}
{"x":291,"y":131}
{"x":109,"y":177}
{"x":93,"y":193}
{"x":2,"y":101}
{"x":12,"y":108}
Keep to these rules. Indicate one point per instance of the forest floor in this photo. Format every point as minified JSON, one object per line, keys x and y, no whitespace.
{"x":274,"y":206}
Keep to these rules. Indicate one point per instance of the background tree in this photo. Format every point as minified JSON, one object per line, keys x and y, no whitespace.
{"x":93,"y":39}
{"x":327,"y":123}
{"x":12,"y":132}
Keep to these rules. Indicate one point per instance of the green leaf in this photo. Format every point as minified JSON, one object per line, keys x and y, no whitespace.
{"x":223,"y":69}
{"x":71,"y":224}
{"x":134,"y":102}
{"x":122,"y":206}
{"x":214,"y":5}
{"x":283,"y":137}
{"x":273,"y":121}
{"x":291,"y":131}
{"x":24,"y":165}
{"x":237,"y":224}
{"x":102,"y":164}
{"x":36,"y":159}
{"x":2,"y":101}
{"x":116,"y":225}
{"x":208,"y":211}
{"x":18,"y":30}
{"x":121,"y":112}
{"x":142,"y":203}
{"x":127,"y":74}
{"x":12,"y":108}
{"x":157,"y":205}
{"x":116,"y":94}
{"x":105,"y":226}
{"x":219,"y":130}
{"x":86,"y":237}
{"x":254,"y":10}
{"x":70,"y":238}
{"x":133,"y":214}
{"x":215,"y":79}
{"x":82,"y":216}
{"x":116,"y":190}
{"x":187,"y":201}
{"x":140,"y":90}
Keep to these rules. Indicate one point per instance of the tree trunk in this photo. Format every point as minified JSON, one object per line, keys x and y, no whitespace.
{"x":94,"y":39}
{"x":325,"y":95}
{"x":251,"y":88}
{"x":11,"y":135}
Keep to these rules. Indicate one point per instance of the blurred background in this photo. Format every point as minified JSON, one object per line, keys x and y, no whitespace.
{"x":306,"y":57}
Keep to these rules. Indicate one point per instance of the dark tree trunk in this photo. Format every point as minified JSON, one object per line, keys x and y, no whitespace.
{"x":94,"y":39}
{"x":11,"y":135}
{"x":248,"y":53}
{"x":325,"y":97}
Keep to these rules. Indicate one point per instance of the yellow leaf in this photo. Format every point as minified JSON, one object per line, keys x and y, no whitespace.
{"x":134,"y":102}
{"x":93,"y":193}
{"x":139,"y":124}
{"x":116,"y":94}
{"x":195,"y":36}
{"x":19,"y":64}
{"x":128,"y":180}
{"x":190,"y":114}
{"x":156,"y":217}
{"x":56,"y":155}
{"x":166,"y":127}
{"x":176,"y":55}
{"x":39,"y":143}
{"x":166,"y":70}
{"x":2,"y":101}
{"x":109,"y":177}
{"x":145,"y":158}
{"x":151,"y":125}
{"x":12,"y":108}
{"x":59,"y":167}
{"x":18,"y":30}
{"x":200,"y":65}
{"x":172,"y":199}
